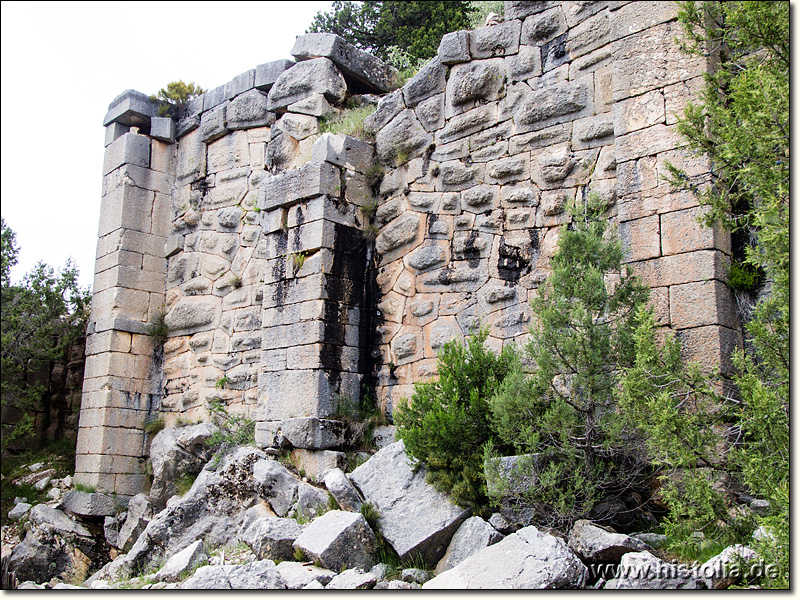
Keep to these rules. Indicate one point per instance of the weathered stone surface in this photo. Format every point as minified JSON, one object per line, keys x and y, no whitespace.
{"x":389,"y":107}
{"x":598,"y":545}
{"x":297,"y":575}
{"x":429,"y":81}
{"x":298,"y":126}
{"x":527,"y":559}
{"x":315,"y":105}
{"x":643,"y":571}
{"x":259,"y":575}
{"x":402,"y":138}
{"x":512,"y":475}
{"x":278,"y":484}
{"x":163,"y":129}
{"x":317,"y":76}
{"x":519,"y":9}
{"x":339,"y":540}
{"x":84,"y":504}
{"x":272,"y":537}
{"x":397,"y":233}
{"x":352,"y":579}
{"x":388,"y":481}
{"x":310,"y":180}
{"x":42,"y":515}
{"x":132,"y":109}
{"x":128,"y":149}
{"x":454,"y":48}
{"x":474,"y":535}
{"x":495,"y":40}
{"x":268,"y":73}
{"x":20,"y":509}
{"x":171,"y":459}
{"x":313,"y":433}
{"x":180,"y":563}
{"x":527,"y":63}
{"x":431,"y":112}
{"x":718,"y":571}
{"x":344,"y":151}
{"x":213,"y":124}
{"x":342,"y":490}
{"x":140,"y":511}
{"x":543,"y":26}
{"x":475,"y":81}
{"x":552,"y":104}
{"x":249,"y":110}
{"x":427,"y":257}
{"x":369,"y":72}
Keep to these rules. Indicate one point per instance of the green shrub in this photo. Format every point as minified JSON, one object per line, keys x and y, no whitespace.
{"x":564,"y":411}
{"x":233,"y":430}
{"x":446,"y":423}
{"x":157,"y":328}
{"x":153,"y":424}
{"x":744,"y":276}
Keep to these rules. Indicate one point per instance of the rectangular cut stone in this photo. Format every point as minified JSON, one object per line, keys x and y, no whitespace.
{"x":467,"y":123}
{"x":268,"y":73}
{"x":641,"y":238}
{"x":131,"y":108}
{"x":702,"y":303}
{"x":214,"y":98}
{"x":163,"y":129}
{"x":290,"y":394}
{"x":589,"y":35}
{"x":651,"y":202}
{"x":689,"y":267}
{"x":312,"y":179}
{"x":213,"y":124}
{"x":190,"y":116}
{"x":367,"y":70}
{"x":711,"y":347}
{"x":633,"y":17}
{"x":128,"y":149}
{"x":555,"y":104}
{"x":240,"y":84}
{"x":683,"y":233}
{"x":495,"y":40}
{"x":635,"y":176}
{"x":647,"y":142}
{"x":454,"y":48}
{"x":126,"y":207}
{"x":325,"y":356}
{"x":519,"y":9}
{"x":639,"y":112}
{"x":651,"y":59}
{"x":344,"y":151}
{"x":115,"y":130}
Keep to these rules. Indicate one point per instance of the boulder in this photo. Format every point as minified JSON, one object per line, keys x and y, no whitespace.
{"x":339,"y":540}
{"x":527,"y":559}
{"x":84,"y":504}
{"x":414,"y":575}
{"x":175,"y":452}
{"x":140,"y":511}
{"x":180,"y":563}
{"x":44,"y":516}
{"x":415,"y":518}
{"x":20,"y":509}
{"x":474,"y":535}
{"x":317,"y":76}
{"x":272,"y":537}
{"x":259,"y":575}
{"x":285,"y":493}
{"x":352,"y":579}
{"x":397,"y":585}
{"x":643,"y":571}
{"x":297,"y":575}
{"x":313,"y":433}
{"x":342,"y":490}
{"x":368,"y":72}
{"x":596,"y":544}
{"x":724,"y":569}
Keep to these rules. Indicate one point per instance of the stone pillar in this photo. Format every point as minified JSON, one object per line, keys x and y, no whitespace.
{"x":315,"y":317}
{"x":684,"y":263}
{"x":122,"y":378}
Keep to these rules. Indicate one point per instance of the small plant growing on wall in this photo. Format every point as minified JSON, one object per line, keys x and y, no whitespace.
{"x":157,"y":328}
{"x":222,"y":382}
{"x":298,"y":260}
{"x":175,"y":97}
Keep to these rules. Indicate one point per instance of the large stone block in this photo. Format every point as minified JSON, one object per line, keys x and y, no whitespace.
{"x":702,"y":303}
{"x":519,"y":9}
{"x":479,"y":81}
{"x":398,"y":491}
{"x":213,"y":124}
{"x":389,"y":106}
{"x":128,"y":149}
{"x":344,"y":151}
{"x":163,"y":129}
{"x":454,"y":48}
{"x":268,"y":73}
{"x":369,"y":72}
{"x":430,"y":80}
{"x":310,"y":180}
{"x":495,"y":40}
{"x":641,"y":239}
{"x":249,"y":110}
{"x":639,"y":112}
{"x":474,"y":535}
{"x":543,"y":26}
{"x":240,"y":84}
{"x":132,"y":109}
{"x":647,"y":142}
{"x":597,"y":545}
{"x":307,"y":393}
{"x":682,"y":232}
{"x":634,"y":17}
{"x":711,"y":347}
{"x":85,"y":504}
{"x":339,"y":540}
{"x":402,"y":138}
{"x":554,"y":104}
{"x":317,"y":76}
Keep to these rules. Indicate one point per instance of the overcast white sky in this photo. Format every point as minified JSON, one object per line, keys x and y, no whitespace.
{"x":63,"y":62}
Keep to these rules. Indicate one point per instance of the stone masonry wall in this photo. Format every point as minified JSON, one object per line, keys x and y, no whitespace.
{"x":252,"y":233}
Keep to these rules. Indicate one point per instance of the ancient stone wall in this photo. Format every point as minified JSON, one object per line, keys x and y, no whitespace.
{"x":293,"y":280}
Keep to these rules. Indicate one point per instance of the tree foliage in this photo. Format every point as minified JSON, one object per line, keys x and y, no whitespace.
{"x":742,"y":123}
{"x":565,"y":410}
{"x":380,"y":26}
{"x":175,"y":96}
{"x":41,"y":317}
{"x":446,"y":424}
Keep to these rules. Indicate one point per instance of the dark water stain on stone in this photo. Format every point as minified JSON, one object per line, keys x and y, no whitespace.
{"x":512,"y":263}
{"x":279,"y":269}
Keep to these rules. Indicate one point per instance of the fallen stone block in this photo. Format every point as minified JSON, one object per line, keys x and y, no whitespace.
{"x":352,"y":579}
{"x":140,"y":512}
{"x":181,"y":563}
{"x":259,"y":575}
{"x":84,"y":504}
{"x":19,"y":510}
{"x":272,"y":537}
{"x":298,"y":576}
{"x":342,"y":490}
{"x":528,"y":559}
{"x":314,"y":464}
{"x":317,"y":76}
{"x":339,"y":540}
{"x":643,"y":571}
{"x":313,"y":433}
{"x":599,"y":545}
{"x":474,"y":535}
{"x":132,"y":109}
{"x":369,"y":73}
{"x":415,"y":518}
